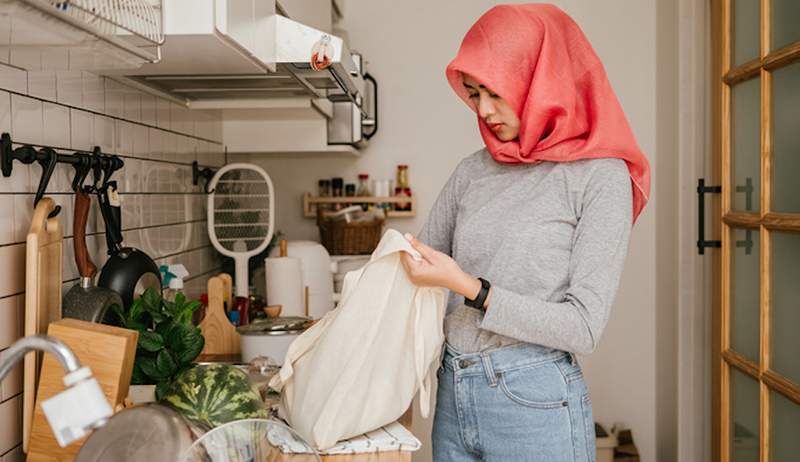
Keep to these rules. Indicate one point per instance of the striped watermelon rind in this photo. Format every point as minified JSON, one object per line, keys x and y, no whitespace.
{"x":210,"y":395}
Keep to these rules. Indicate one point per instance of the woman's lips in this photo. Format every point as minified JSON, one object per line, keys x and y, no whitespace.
{"x":496,"y":127}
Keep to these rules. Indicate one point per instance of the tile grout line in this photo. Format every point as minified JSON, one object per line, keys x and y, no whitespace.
{"x":125,"y":230}
{"x":91,"y":111}
{"x":194,"y":249}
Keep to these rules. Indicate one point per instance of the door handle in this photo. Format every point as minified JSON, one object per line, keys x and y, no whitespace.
{"x":702,"y":190}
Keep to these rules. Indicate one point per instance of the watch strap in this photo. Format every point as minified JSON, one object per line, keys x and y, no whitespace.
{"x":480,"y":299}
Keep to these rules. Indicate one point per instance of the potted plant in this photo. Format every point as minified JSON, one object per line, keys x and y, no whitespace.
{"x":168,"y":341}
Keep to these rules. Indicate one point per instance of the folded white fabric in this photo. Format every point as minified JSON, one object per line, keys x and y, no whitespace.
{"x":392,"y":437}
{"x":359,"y":367}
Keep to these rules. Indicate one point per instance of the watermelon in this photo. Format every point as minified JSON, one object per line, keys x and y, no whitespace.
{"x":210,"y":395}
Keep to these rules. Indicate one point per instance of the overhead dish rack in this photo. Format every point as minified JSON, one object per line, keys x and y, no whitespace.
{"x":100,"y":34}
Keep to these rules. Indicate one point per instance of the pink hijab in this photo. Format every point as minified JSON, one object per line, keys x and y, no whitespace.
{"x":536,"y":58}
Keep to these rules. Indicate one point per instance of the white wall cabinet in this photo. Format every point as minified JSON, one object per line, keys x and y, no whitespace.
{"x":315,"y":13}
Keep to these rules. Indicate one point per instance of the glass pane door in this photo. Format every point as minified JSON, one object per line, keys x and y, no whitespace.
{"x":758,"y":363}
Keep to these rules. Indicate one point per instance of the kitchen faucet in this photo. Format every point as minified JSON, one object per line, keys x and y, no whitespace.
{"x":81,"y":407}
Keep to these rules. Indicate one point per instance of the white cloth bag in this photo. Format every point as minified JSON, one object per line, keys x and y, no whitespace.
{"x":359,"y":367}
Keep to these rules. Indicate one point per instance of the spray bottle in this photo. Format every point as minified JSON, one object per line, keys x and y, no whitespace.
{"x":173,"y":280}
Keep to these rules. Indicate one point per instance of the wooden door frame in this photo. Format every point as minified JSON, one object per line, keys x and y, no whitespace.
{"x":716,"y":87}
{"x":766,"y":221}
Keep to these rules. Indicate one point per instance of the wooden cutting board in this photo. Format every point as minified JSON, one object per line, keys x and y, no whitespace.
{"x":108,"y":351}
{"x":43,"y":263}
{"x":220,"y":335}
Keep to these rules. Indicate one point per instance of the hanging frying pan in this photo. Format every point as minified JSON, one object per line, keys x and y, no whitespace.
{"x":128,"y":271}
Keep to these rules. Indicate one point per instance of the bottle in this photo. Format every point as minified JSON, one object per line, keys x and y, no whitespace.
{"x":173,"y":280}
{"x":349,"y":191}
{"x":337,"y":190}
{"x":324,"y":190}
{"x":402,"y":188}
{"x":363,"y":189}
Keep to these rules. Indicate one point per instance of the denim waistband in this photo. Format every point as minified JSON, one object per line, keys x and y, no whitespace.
{"x":491,"y":362}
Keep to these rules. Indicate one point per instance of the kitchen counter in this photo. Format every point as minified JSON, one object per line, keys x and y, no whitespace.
{"x":387,"y":456}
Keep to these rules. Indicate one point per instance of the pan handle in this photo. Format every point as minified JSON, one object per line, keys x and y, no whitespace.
{"x":113,"y":234}
{"x":86,"y":267}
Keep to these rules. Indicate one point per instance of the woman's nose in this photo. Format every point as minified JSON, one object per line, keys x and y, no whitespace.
{"x":485,"y":106}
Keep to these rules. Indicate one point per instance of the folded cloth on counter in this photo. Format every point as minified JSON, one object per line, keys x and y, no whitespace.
{"x":359,"y":367}
{"x":392,"y":437}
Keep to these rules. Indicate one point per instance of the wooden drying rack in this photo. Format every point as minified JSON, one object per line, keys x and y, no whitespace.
{"x":309,"y":201}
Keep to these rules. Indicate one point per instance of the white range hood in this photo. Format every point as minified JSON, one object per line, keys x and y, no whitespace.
{"x":244,"y":59}
{"x":217,"y":50}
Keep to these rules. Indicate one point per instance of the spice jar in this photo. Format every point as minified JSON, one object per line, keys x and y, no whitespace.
{"x":337,"y":190}
{"x":402,"y":188}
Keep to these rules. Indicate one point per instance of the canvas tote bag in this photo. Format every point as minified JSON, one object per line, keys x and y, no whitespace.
{"x":359,"y":367}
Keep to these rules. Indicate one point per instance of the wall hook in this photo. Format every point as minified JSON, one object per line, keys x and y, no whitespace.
{"x":82,"y":168}
{"x":48,"y":163}
{"x":198,"y":173}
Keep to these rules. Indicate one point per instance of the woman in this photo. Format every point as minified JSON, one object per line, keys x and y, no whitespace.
{"x":529,"y":235}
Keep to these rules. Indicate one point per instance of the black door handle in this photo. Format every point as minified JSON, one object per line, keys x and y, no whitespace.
{"x":702,"y":190}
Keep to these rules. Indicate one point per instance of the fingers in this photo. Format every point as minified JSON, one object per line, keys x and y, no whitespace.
{"x":423,"y":249}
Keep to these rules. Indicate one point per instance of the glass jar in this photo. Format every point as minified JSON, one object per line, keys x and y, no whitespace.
{"x":337,"y":190}
{"x":363,"y":189}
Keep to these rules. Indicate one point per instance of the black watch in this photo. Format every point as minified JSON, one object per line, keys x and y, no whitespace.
{"x":480,"y":299}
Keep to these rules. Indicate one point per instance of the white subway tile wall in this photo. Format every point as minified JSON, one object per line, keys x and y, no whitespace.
{"x":163,"y":213}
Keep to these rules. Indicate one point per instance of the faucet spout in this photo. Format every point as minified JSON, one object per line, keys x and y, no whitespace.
{"x":51,"y":345}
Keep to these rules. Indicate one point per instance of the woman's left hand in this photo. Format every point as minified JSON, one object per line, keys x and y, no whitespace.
{"x":438,"y":269}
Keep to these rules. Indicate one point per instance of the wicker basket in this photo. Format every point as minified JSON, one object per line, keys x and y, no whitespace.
{"x":354,"y":238}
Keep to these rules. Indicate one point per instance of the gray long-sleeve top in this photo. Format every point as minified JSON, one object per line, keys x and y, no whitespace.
{"x":550,"y":237}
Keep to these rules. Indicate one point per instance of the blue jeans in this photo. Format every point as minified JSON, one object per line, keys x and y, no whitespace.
{"x":519,"y":403}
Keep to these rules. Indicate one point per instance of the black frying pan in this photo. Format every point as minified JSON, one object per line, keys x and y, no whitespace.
{"x":128,"y":271}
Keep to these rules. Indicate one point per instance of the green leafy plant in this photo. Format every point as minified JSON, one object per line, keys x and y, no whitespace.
{"x":168,"y":342}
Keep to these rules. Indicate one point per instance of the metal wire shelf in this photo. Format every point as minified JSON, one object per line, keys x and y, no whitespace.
{"x":130,"y":27}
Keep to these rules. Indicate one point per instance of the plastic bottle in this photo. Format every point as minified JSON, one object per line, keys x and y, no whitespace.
{"x":173,"y":280}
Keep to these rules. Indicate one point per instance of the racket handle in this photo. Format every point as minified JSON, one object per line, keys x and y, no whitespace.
{"x":242,"y":270}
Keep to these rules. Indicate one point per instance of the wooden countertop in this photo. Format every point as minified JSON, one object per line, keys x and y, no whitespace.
{"x":387,"y":456}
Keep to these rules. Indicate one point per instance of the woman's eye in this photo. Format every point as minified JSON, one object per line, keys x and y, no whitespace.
{"x":473,"y":95}
{"x":494,"y":95}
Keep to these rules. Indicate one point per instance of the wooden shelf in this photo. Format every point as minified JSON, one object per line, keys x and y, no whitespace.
{"x":310,"y":201}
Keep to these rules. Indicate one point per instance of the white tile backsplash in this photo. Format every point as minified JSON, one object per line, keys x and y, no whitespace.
{"x":104,"y":133}
{"x":26,"y":119}
{"x":23,"y":212}
{"x":13,"y":282}
{"x":10,"y":434}
{"x":7,"y":230}
{"x":56,"y":127}
{"x":82,"y":129}
{"x":115,"y":92}
{"x":69,"y":88}
{"x":94,"y":92}
{"x":5,"y":111}
{"x":10,"y":321}
{"x":162,"y":114}
{"x":76,"y":110}
{"x":13,"y":79}
{"x":131,"y":105}
{"x":148,"y":109}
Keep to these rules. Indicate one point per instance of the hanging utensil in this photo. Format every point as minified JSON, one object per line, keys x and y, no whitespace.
{"x":43,"y":263}
{"x":84,"y":300}
{"x":241,"y":215}
{"x":128,"y":271}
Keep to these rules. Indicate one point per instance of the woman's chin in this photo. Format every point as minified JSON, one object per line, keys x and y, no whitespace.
{"x":506,"y":136}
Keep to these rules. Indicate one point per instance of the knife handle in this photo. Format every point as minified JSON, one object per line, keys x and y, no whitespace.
{"x":83,"y":203}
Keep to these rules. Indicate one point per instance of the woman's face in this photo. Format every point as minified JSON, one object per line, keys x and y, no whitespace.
{"x":493,"y":109}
